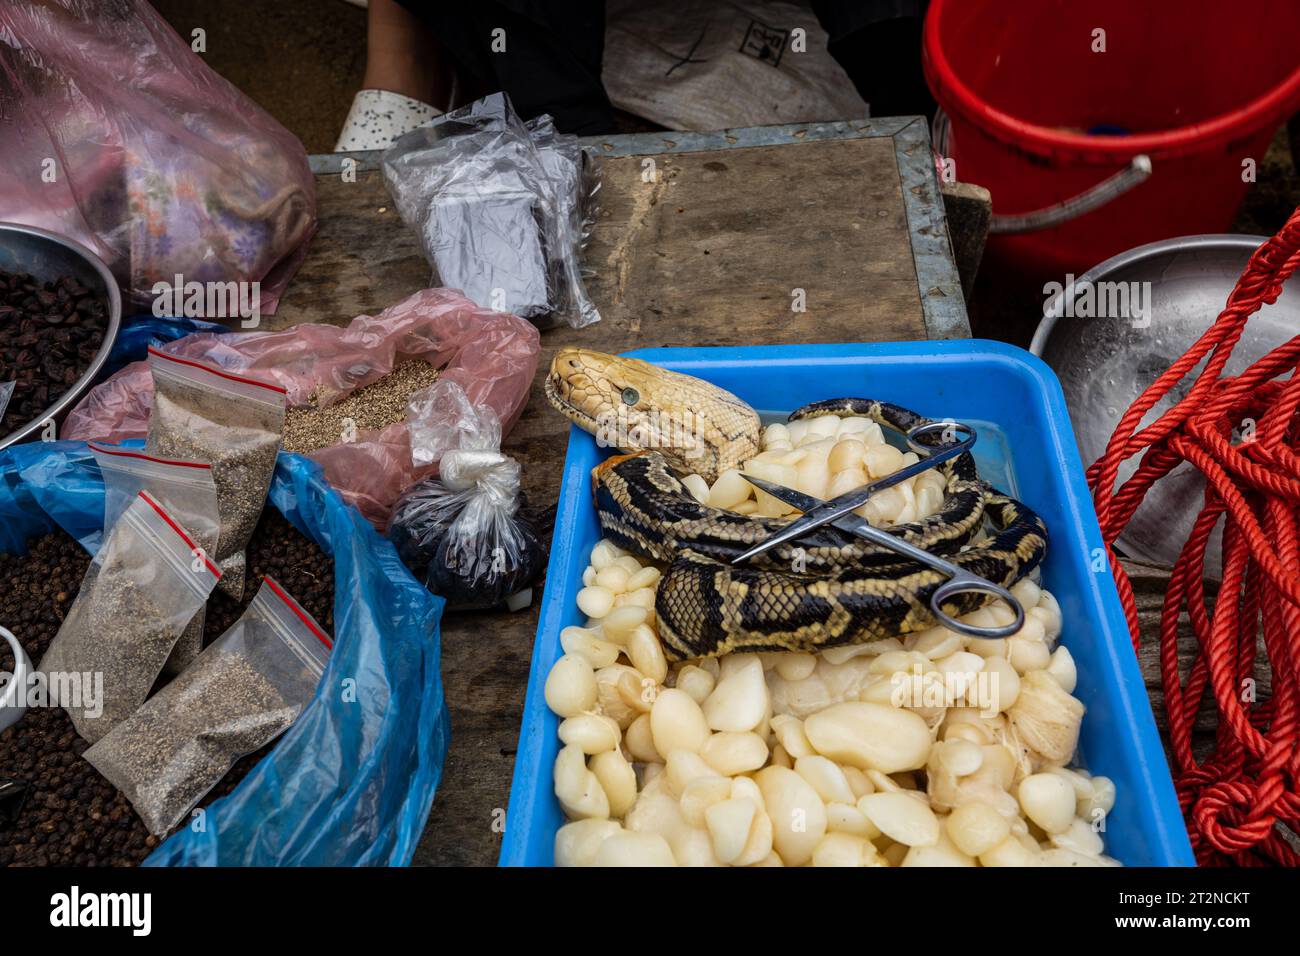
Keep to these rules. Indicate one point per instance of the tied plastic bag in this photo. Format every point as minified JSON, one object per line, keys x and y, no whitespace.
{"x":498,"y":212}
{"x":491,"y":355}
{"x":142,"y":588}
{"x":462,"y":534}
{"x":187,"y":491}
{"x":6,"y":393}
{"x":161,"y":166}
{"x":244,"y":690}
{"x":230,"y":422}
{"x":346,"y":785}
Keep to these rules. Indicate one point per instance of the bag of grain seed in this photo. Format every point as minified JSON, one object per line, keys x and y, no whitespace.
{"x":186,"y":490}
{"x":491,"y":355}
{"x":141,"y":590}
{"x":241,"y":693}
{"x":232,"y":422}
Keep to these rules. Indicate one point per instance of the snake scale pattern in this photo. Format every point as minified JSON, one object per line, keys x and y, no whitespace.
{"x":844,"y":591}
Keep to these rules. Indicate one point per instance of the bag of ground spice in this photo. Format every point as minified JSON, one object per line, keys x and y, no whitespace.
{"x":186,"y":490}
{"x":142,"y":589}
{"x":232,"y":422}
{"x":244,"y":690}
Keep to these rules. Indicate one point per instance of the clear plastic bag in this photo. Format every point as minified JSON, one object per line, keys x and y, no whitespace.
{"x":244,"y":690}
{"x":118,"y":135}
{"x":463,"y":536}
{"x":142,"y":588}
{"x":491,"y":355}
{"x":231,"y":422}
{"x":6,"y":392}
{"x":187,"y":491}
{"x":494,"y":212}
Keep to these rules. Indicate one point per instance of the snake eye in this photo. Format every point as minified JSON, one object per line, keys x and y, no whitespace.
{"x":631,"y":396}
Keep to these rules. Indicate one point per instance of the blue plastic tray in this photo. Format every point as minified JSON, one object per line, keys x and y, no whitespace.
{"x":971,"y":380}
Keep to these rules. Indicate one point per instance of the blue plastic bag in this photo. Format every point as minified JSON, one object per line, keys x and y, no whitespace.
{"x":352,"y":781}
{"x":138,"y":332}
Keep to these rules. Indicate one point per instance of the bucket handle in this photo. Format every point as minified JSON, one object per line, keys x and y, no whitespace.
{"x":1112,"y":187}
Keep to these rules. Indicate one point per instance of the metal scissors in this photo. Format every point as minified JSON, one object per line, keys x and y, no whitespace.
{"x":959,"y":579}
{"x":825,"y":512}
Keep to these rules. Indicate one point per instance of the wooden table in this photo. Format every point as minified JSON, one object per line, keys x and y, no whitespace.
{"x":702,"y":239}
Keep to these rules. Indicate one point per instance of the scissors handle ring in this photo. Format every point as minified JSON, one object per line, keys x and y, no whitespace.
{"x":964,"y":582}
{"x":944,"y":429}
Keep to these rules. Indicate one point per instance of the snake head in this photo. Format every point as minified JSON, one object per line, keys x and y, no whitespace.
{"x":634,"y":406}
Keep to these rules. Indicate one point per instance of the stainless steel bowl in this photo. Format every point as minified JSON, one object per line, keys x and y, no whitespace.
{"x":47,"y":255}
{"x":1105,"y":363}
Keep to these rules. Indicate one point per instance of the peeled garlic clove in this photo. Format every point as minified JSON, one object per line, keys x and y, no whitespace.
{"x":639,"y":741}
{"x":735,"y":753}
{"x":584,"y":642}
{"x":1028,"y":655}
{"x":677,"y":722}
{"x":758,"y":847}
{"x":590,"y":733}
{"x":702,"y":793}
{"x":960,"y":757}
{"x":647,"y":654}
{"x":881,"y":460}
{"x":603,"y":554}
{"x":976,"y":828}
{"x":826,"y":778}
{"x":682,"y":767}
{"x":1100,"y":802}
{"x":577,"y":843}
{"x":579,"y":792}
{"x":617,"y":779}
{"x":798,"y":814}
{"x":869,"y":736}
{"x":1080,"y":837}
{"x":1048,"y":800}
{"x":943,"y":853}
{"x":634,"y":849}
{"x":728,"y":824}
{"x":793,"y":666}
{"x":740,"y":700}
{"x":847,"y":818}
{"x":842,"y":482}
{"x":612,"y":578}
{"x":608,"y":697}
{"x":1010,"y":852}
{"x":1063,"y":670}
{"x":570,"y":687}
{"x":789,"y":732}
{"x":696,"y":681}
{"x":843,"y":849}
{"x":595,"y":601}
{"x":902,"y":818}
{"x":621,"y":622}
{"x":644,"y":578}
{"x":1003,"y":683}
{"x":846,"y":454}
{"x":858,"y":782}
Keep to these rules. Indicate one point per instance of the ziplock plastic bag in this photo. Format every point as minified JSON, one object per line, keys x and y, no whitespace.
{"x":494,"y":211}
{"x":142,"y":588}
{"x":115,"y":133}
{"x":231,"y":422}
{"x":351,"y":782}
{"x":462,"y":533}
{"x":186,"y":490}
{"x":244,"y":690}
{"x":492,"y":356}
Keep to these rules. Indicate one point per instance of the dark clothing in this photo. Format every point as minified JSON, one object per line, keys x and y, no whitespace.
{"x":553,"y":52}
{"x":552,"y":58}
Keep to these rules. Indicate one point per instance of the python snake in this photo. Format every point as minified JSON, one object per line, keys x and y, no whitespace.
{"x":829,"y":588}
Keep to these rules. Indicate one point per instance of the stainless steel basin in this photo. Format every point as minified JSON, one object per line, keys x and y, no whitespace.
{"x":46,"y":256}
{"x":1105,"y":362}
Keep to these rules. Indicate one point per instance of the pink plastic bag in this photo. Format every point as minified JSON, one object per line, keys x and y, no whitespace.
{"x":492,"y":356}
{"x":118,"y":135}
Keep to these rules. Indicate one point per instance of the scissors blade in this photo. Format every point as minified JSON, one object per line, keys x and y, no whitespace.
{"x":852,"y":523}
{"x":827,"y":511}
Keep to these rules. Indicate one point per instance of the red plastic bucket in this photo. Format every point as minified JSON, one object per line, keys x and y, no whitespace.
{"x":1199,"y":86}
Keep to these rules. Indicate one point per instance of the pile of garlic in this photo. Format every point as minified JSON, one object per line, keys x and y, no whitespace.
{"x":932,"y":750}
{"x":825,"y":457}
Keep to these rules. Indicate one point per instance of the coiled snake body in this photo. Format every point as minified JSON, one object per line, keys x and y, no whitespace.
{"x":827,"y":589}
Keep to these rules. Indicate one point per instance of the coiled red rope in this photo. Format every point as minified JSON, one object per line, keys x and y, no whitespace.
{"x":1234,"y":798}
